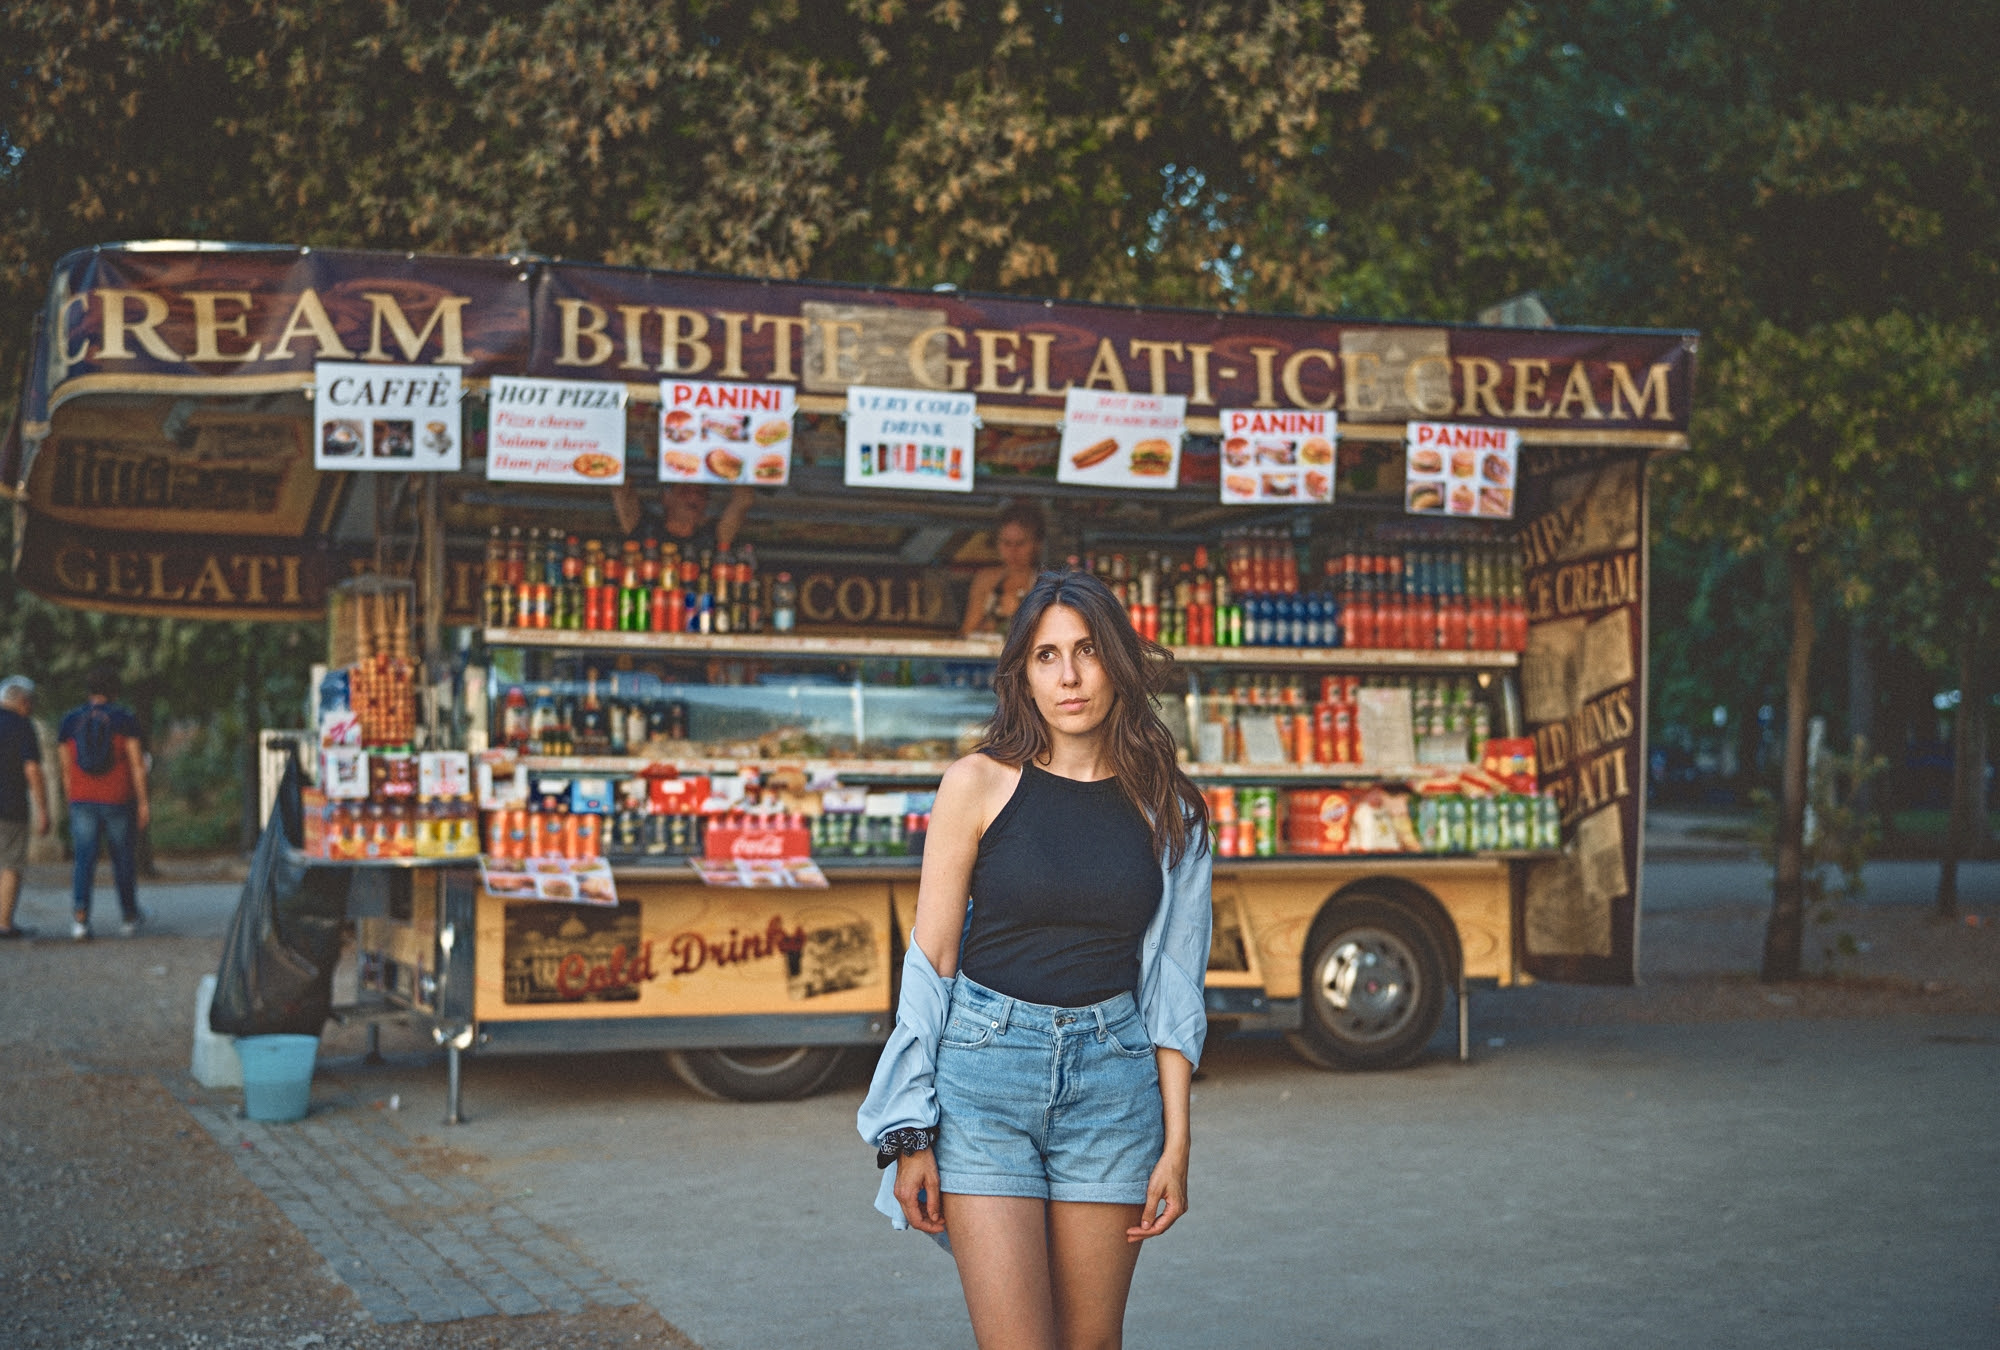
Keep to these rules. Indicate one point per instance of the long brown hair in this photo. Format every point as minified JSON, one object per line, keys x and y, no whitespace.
{"x":1137,"y":744}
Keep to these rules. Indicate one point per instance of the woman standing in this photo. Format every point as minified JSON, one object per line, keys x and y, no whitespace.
{"x":997,"y":591}
{"x":1034,"y":1095}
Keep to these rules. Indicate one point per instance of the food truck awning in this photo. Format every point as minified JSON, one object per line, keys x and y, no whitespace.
{"x":161,"y":459}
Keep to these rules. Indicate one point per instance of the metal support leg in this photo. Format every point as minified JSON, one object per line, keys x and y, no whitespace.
{"x":1464,"y":1021}
{"x":373,"y":1054}
{"x":451,"y":1115}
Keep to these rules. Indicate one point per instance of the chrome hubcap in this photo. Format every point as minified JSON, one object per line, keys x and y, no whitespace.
{"x":1368,"y":982}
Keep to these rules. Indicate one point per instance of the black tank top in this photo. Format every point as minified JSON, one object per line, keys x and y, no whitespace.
{"x":1063,"y":888}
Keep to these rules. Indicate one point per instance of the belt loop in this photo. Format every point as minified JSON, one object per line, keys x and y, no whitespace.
{"x":1006,"y":1012}
{"x":1098,"y":1010}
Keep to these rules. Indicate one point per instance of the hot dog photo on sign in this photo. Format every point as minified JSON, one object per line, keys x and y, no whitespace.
{"x":715,"y":432}
{"x":1276,"y":456}
{"x":1121,"y":440}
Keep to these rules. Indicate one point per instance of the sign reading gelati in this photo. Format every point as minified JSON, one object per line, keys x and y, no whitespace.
{"x":909,"y":438}
{"x":255,"y":321}
{"x":555,"y":431}
{"x":726,"y":433}
{"x":386,"y":418}
{"x":1272,"y":456}
{"x":1121,"y":440}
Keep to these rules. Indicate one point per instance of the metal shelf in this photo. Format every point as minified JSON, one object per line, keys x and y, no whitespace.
{"x":923,"y":769}
{"x":973,"y":649}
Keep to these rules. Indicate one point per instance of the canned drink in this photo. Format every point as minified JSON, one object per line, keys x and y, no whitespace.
{"x":1430,"y":825}
{"x":1548,"y":823}
{"x":1246,"y":838}
{"x":1456,"y":825}
{"x":1485,"y":824}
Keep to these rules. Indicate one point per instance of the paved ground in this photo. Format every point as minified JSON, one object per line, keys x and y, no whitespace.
{"x":1702,"y":1160}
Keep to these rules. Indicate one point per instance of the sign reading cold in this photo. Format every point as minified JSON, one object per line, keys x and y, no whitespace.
{"x":715,"y":432}
{"x":381,"y":417}
{"x":555,"y":431}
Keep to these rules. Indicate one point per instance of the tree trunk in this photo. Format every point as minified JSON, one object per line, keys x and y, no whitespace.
{"x":1784,"y":935}
{"x":1861,"y":706}
{"x":1968,"y":764}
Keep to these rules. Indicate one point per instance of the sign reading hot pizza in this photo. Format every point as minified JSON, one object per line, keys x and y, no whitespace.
{"x":714,"y":432}
{"x":1121,"y":440}
{"x":555,"y":431}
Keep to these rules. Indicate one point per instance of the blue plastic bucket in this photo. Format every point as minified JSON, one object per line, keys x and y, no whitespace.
{"x":277,"y":1075}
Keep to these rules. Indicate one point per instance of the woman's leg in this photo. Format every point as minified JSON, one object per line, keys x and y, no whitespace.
{"x":1091,"y":1263}
{"x":1001,"y":1244}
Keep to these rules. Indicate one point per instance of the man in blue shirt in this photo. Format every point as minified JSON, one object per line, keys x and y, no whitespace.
{"x":20,"y":777}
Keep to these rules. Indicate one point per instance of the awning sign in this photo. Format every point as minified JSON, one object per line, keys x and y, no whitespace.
{"x":1121,"y":440}
{"x":910,"y":438}
{"x":402,"y":419}
{"x":1452,"y":469}
{"x":555,"y":431}
{"x":1274,"y":455}
{"x":713,"y":432}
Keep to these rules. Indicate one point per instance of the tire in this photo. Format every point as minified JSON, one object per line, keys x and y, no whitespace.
{"x":1374,"y":983}
{"x":776,"y":1074}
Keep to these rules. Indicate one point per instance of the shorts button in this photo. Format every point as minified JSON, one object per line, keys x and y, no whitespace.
{"x":996,"y":1024}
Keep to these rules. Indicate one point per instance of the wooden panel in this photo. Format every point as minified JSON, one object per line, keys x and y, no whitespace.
{"x":1281,"y":906}
{"x":673,"y":949}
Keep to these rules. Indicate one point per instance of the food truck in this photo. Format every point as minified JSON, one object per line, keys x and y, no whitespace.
{"x":605,"y":786}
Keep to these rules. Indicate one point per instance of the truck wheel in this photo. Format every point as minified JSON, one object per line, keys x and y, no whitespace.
{"x":779,"y":1074}
{"x":1374,"y":987}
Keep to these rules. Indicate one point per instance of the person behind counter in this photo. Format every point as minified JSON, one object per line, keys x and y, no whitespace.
{"x":1034,"y":1095}
{"x":996,"y":591}
{"x":683,"y":517}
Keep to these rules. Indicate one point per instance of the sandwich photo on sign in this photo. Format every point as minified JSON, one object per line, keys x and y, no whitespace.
{"x":1121,"y":440}
{"x":555,"y":431}
{"x":1273,"y":456}
{"x":1453,"y":469}
{"x":715,"y":432}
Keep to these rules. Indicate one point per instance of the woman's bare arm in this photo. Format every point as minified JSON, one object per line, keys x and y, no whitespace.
{"x":984,"y":582}
{"x":965,"y":805}
{"x":1166,"y":1192}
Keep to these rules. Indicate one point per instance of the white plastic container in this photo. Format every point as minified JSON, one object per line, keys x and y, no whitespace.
{"x":215,"y":1062}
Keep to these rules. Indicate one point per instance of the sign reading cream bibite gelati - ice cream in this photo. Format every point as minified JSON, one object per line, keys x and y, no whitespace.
{"x":555,"y":431}
{"x":716,"y":432}
{"x":399,"y":419}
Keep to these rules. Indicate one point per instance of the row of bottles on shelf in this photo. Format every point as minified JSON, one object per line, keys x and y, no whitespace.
{"x":1464,"y":597}
{"x":553,"y":831}
{"x":556,"y":720}
{"x":1265,"y":822}
{"x":552,"y":580}
{"x":427,"y":827}
{"x":1265,"y":718}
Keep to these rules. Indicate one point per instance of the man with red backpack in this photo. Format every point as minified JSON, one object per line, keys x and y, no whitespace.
{"x":104,"y":772}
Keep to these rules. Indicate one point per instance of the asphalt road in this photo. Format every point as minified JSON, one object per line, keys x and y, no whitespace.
{"x":1782,"y":1183}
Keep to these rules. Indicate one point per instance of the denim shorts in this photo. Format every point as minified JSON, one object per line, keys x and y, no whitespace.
{"x":1046,"y":1103}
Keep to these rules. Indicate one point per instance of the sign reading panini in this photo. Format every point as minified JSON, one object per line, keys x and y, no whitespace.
{"x":1121,"y":440}
{"x":1276,"y":456}
{"x":713,"y":432}
{"x":386,"y":418}
{"x":555,"y":431}
{"x":1455,"y":470}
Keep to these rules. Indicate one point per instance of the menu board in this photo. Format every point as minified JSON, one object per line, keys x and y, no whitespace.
{"x":555,"y":431}
{"x":910,"y":438}
{"x":580,"y":881}
{"x":1452,"y":469}
{"x":1121,"y":440}
{"x":1276,"y":456}
{"x":715,"y":432}
{"x":397,"y":419}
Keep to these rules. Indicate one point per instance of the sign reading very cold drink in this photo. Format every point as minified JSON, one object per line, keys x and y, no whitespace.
{"x":555,"y":431}
{"x":1452,"y":469}
{"x":1121,"y":440}
{"x":910,"y":438}
{"x":1276,"y":456}
{"x":397,"y":418}
{"x":714,"y":432}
